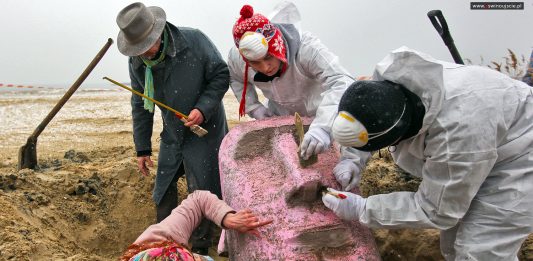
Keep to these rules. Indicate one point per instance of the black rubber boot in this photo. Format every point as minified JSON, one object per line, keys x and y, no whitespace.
{"x":169,"y":200}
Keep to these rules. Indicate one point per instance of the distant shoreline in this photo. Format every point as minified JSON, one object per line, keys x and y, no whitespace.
{"x":88,"y":86}
{"x":57,"y":90}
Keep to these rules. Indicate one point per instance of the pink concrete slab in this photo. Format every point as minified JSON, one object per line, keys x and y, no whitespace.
{"x":259,"y":170}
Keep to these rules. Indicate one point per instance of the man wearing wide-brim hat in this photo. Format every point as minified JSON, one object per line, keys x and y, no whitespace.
{"x":181,"y":68}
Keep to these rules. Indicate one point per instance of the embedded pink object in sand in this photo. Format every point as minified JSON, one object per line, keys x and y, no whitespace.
{"x":259,"y":170}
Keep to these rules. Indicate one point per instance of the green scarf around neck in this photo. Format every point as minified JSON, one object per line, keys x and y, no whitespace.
{"x":148,"y":76}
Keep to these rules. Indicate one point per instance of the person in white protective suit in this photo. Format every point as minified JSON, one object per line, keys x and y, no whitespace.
{"x":295,"y":72}
{"x":467,"y":131}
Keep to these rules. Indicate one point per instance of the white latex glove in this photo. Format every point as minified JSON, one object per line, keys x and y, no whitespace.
{"x":349,"y":208}
{"x":260,"y":113}
{"x":347,"y":174}
{"x":316,"y":140}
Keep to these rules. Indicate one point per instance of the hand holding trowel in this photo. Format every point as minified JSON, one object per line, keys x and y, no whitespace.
{"x":194,"y":128}
{"x":298,"y":124}
{"x":312,"y":191}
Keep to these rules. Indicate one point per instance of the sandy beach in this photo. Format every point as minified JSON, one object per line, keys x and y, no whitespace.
{"x":93,"y":117}
{"x":87,"y":201}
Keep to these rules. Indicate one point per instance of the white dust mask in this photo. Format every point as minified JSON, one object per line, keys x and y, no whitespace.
{"x":348,"y":131}
{"x":253,"y":46}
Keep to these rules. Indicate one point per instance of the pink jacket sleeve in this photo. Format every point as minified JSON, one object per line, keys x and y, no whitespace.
{"x":186,"y":217}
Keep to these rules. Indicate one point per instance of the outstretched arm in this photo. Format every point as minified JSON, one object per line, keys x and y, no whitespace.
{"x":188,"y":215}
{"x":321,"y":64}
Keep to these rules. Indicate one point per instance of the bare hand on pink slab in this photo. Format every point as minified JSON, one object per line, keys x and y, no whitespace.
{"x":244,"y":221}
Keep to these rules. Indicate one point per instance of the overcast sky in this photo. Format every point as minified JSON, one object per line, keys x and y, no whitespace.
{"x":51,"y":42}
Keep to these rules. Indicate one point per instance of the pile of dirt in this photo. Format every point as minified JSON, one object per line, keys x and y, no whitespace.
{"x":91,"y":205}
{"x":87,"y":200}
{"x":84,"y":206}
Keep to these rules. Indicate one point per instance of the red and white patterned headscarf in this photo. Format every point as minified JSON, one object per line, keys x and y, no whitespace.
{"x":161,"y":251}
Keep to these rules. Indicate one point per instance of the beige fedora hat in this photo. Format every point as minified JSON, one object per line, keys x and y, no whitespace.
{"x":140,"y":27}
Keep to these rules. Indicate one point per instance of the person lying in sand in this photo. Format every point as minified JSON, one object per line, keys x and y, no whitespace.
{"x":169,"y":237}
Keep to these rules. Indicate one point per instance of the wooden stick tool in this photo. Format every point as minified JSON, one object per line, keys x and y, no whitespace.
{"x":194,"y":128}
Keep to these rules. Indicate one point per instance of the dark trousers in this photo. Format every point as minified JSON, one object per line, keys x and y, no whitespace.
{"x":203,"y":234}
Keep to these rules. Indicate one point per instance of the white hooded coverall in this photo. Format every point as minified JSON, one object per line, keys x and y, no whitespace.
{"x":312,"y":85}
{"x":473,"y":153}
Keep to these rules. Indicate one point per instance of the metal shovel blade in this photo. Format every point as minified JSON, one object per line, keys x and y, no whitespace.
{"x":28,"y":155}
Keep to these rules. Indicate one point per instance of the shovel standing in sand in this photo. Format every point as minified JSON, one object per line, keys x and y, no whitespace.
{"x":196,"y":129}
{"x":27,"y":157}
